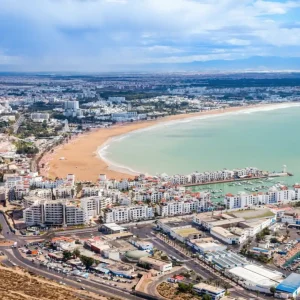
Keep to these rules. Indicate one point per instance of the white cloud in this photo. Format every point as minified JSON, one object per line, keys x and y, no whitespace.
{"x":99,"y":32}
{"x":238,"y":42}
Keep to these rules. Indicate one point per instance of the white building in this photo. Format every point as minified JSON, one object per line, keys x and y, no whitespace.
{"x":215,"y":292}
{"x":273,"y":196}
{"x":40,"y":117}
{"x":156,"y":264}
{"x":53,"y":213}
{"x":255,"y":278}
{"x":227,"y":236}
{"x":71,"y":109}
{"x":123,"y":214}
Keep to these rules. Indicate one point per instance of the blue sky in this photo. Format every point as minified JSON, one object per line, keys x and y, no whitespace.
{"x":131,"y":35}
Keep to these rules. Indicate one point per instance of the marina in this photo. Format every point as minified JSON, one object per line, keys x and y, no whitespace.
{"x":219,"y":190}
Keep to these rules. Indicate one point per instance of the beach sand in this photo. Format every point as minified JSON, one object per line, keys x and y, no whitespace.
{"x":81,"y":153}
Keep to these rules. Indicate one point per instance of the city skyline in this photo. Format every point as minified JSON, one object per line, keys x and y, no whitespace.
{"x":130,"y":35}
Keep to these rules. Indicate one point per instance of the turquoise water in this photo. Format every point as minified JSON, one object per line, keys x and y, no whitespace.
{"x":264,"y":139}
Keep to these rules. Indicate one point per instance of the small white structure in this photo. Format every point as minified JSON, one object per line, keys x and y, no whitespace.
{"x":215,"y":292}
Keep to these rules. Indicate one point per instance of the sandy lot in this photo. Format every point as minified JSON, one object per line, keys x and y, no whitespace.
{"x":16,"y":284}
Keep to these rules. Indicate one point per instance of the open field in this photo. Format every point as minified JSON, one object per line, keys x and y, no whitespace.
{"x":169,"y":291}
{"x":252,"y":213}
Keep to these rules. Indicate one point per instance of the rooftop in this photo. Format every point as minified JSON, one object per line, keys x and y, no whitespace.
{"x":185,"y":232}
{"x":222,"y":231}
{"x":175,"y":222}
{"x":290,"y":284}
{"x":227,"y":222}
{"x":154,"y":261}
{"x":209,"y":288}
{"x":114,"y":227}
{"x":258,"y":275}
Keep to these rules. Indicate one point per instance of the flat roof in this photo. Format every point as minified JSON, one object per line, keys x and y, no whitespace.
{"x":222,"y":231}
{"x":253,"y":277}
{"x":290,"y":284}
{"x":227,"y":222}
{"x":154,"y":261}
{"x":209,"y":288}
{"x":187,"y":231}
{"x":114,"y":226}
{"x":210,"y":245}
{"x":178,"y":223}
{"x":274,"y":275}
{"x":118,"y":235}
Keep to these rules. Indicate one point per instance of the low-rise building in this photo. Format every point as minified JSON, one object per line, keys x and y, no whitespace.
{"x":156,"y":264}
{"x":206,"y":246}
{"x":179,"y":229}
{"x":256,"y":278}
{"x":289,"y":287}
{"x":225,"y":236}
{"x":215,"y":292}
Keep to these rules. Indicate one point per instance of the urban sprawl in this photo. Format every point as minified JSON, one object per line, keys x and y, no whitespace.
{"x":145,"y":237}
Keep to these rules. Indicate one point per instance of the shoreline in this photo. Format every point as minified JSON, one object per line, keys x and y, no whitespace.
{"x":83,"y":157}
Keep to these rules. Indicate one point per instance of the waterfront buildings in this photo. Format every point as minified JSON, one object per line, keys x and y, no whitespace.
{"x":273,"y":196}
{"x":206,"y":177}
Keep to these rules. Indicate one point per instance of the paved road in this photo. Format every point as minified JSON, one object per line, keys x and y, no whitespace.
{"x":205,"y":273}
{"x":98,"y":288}
{"x":14,"y":257}
{"x":18,"y":124}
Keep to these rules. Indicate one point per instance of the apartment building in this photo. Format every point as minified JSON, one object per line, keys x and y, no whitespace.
{"x":64,"y":193}
{"x":273,"y":196}
{"x":94,"y":206}
{"x":184,"y":206}
{"x":123,"y":214}
{"x":53,"y":213}
{"x":91,"y":191}
{"x":40,"y":117}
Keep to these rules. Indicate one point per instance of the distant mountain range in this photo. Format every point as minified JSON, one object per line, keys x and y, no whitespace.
{"x":252,"y":64}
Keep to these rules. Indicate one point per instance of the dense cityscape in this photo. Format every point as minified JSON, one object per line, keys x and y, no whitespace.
{"x":142,"y":236}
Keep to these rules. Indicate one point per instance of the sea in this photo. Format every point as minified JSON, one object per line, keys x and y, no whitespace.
{"x":267,"y":138}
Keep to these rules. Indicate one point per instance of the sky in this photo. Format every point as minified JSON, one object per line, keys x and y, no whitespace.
{"x":143,"y":35}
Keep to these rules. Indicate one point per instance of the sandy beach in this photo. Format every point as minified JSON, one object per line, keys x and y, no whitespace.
{"x":81,"y":153}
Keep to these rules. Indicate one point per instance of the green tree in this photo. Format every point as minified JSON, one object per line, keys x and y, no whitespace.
{"x":67,"y":255}
{"x":87,"y":261}
{"x":185,"y":288}
{"x":0,"y":228}
{"x":76,"y":252}
{"x":272,"y":290}
{"x":206,"y":297}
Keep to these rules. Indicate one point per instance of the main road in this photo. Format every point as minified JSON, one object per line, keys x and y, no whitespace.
{"x":14,"y":257}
